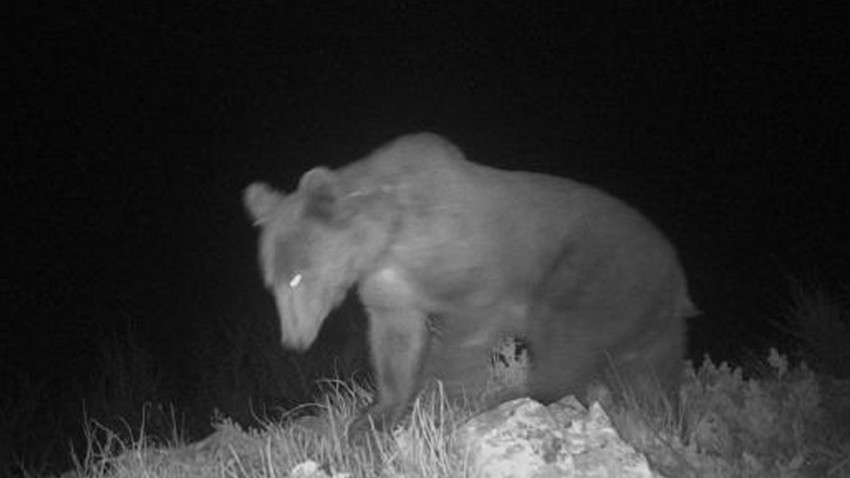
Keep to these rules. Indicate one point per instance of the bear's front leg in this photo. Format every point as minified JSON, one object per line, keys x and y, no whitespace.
{"x":399,"y":341}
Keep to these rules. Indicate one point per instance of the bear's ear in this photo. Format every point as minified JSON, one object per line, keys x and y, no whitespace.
{"x":321,"y":189}
{"x":260,"y":200}
{"x":320,"y":180}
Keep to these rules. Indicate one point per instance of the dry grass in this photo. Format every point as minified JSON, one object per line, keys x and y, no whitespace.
{"x":783,"y":422}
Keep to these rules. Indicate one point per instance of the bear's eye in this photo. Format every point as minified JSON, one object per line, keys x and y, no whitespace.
{"x":290,"y":260}
{"x":296,"y":279}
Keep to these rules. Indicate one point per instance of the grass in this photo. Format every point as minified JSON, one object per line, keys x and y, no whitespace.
{"x":276,"y":448}
{"x":727,"y":425}
{"x":781,"y":419}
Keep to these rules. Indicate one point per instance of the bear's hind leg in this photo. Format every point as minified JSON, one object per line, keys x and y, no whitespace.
{"x":650,"y":370}
{"x":563,"y":361}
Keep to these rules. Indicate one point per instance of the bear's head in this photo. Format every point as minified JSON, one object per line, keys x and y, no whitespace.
{"x":312,"y":249}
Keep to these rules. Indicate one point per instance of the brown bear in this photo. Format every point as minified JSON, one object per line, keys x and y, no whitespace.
{"x":450,"y":256}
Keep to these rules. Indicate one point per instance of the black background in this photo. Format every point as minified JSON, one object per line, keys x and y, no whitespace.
{"x":135,"y":126}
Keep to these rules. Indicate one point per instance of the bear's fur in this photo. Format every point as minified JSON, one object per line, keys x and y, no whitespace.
{"x":450,"y":256}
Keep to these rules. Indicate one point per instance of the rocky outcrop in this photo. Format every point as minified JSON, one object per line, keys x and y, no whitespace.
{"x":523,"y":438}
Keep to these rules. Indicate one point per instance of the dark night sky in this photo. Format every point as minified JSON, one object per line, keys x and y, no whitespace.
{"x":134,"y":129}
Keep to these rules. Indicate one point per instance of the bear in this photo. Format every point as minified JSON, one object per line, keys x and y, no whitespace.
{"x":449,"y":256}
